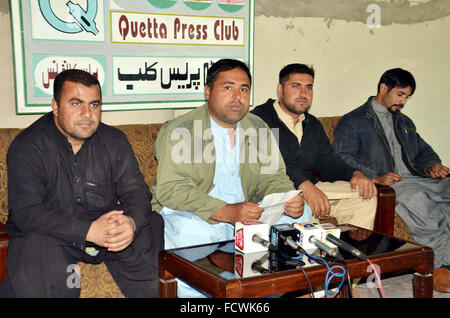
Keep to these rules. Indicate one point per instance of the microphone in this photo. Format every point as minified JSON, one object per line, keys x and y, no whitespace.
{"x":258,"y":239}
{"x":285,"y":237}
{"x":251,"y":264}
{"x":257,"y":266}
{"x":251,"y":236}
{"x":346,"y":247}
{"x":291,"y":243}
{"x":319,"y":231}
{"x":330,"y":251}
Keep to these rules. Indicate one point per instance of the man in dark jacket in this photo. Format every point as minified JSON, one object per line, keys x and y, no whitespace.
{"x":382,"y":142}
{"x":75,"y":193}
{"x":347,"y":194}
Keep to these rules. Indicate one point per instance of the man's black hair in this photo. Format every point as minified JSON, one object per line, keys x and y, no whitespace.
{"x":226,"y":65}
{"x":294,"y":68}
{"x":397,"y":77}
{"x":72,"y":75}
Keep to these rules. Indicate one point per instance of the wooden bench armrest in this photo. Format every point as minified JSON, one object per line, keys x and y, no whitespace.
{"x":4,"y":242}
{"x":384,"y":218}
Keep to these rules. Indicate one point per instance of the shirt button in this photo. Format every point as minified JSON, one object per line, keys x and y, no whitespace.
{"x":77,"y":179}
{"x":74,"y":162}
{"x":78,"y":199}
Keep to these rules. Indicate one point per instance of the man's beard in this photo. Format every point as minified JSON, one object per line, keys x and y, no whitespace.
{"x":292,"y":109}
{"x":395,"y":111}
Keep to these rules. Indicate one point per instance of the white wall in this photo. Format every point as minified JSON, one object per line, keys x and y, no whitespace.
{"x":349,"y":59}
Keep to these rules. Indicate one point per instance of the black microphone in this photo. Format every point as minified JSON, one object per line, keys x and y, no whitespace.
{"x":291,"y":243}
{"x":346,"y":247}
{"x":330,"y":251}
{"x":257,"y":265}
{"x":258,"y":239}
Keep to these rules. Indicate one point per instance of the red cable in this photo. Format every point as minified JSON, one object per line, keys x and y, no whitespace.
{"x":378,"y":277}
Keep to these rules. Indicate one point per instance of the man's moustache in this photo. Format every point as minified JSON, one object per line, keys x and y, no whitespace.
{"x":395,"y":111}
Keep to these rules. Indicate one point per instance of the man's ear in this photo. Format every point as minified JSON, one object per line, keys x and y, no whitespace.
{"x":207,"y":90}
{"x":279,"y":90}
{"x":384,"y":88}
{"x":55,"y":107}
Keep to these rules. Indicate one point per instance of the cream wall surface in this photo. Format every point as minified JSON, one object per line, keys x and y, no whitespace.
{"x":333,"y":36}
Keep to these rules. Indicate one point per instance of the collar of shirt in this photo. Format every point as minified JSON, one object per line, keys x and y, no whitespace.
{"x":225,"y":149}
{"x":221,"y":131}
{"x":62,"y":139}
{"x":296,"y":129}
{"x":58,"y":135}
{"x":379,"y":108}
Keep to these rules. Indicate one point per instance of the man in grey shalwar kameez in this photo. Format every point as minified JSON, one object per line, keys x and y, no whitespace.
{"x":379,"y":140}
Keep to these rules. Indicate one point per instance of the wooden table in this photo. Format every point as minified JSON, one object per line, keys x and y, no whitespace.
{"x":402,"y":255}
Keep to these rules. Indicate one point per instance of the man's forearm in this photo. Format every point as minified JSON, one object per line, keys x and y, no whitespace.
{"x":225,"y":214}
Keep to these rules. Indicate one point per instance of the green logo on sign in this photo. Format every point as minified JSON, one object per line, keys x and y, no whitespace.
{"x":231,"y":5}
{"x":163,"y":4}
{"x":197,"y":4}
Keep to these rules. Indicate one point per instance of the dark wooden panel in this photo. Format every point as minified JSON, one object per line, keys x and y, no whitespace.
{"x":4,"y":242}
{"x":384,"y":218}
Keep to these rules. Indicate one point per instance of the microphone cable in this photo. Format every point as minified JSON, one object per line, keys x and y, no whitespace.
{"x":299,"y":264}
{"x":350,"y":249}
{"x":311,"y":290}
{"x":348,"y":279}
{"x":330,"y":274}
{"x":296,"y":261}
{"x":380,"y":288}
